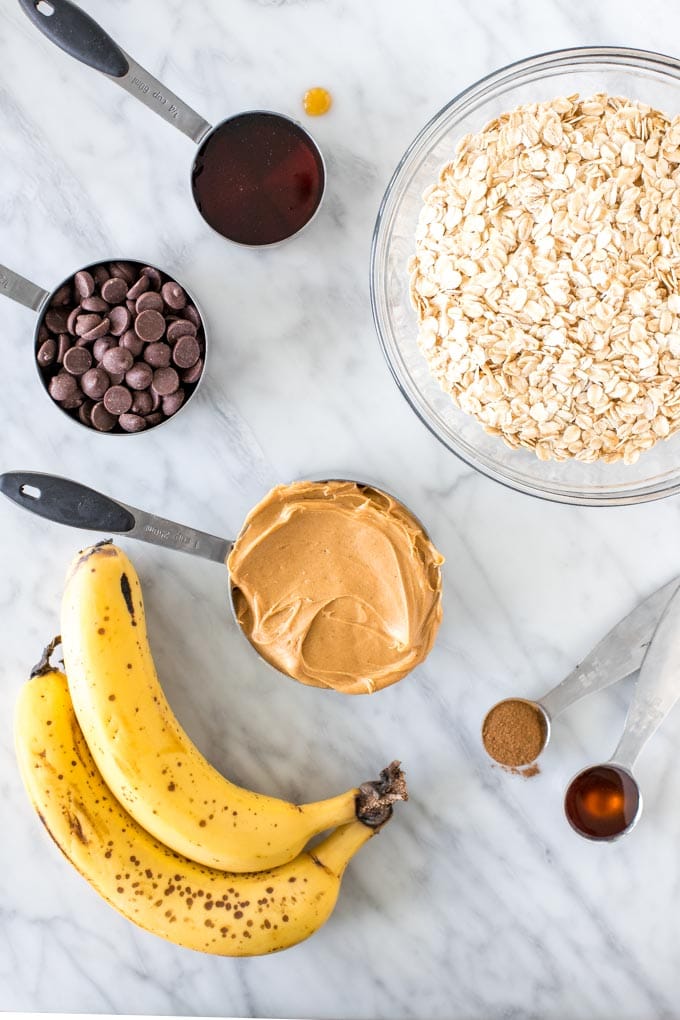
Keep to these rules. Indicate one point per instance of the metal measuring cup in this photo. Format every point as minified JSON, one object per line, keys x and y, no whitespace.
{"x":78,"y":34}
{"x":32,"y":296}
{"x":67,"y":502}
{"x":604,"y":802}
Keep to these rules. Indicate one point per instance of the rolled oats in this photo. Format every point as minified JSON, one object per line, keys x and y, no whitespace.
{"x":545,"y":278}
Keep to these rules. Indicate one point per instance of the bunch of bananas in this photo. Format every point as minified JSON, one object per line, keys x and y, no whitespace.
{"x":153,"y":827}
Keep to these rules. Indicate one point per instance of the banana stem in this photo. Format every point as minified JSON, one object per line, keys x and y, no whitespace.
{"x":45,"y":666}
{"x":335,"y":852}
{"x":375,"y":799}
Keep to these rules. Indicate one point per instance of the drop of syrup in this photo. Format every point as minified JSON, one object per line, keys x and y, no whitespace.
{"x":317,"y":101}
{"x":602,"y":801}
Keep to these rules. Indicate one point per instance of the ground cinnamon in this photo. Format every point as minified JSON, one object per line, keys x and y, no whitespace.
{"x":514,"y":733}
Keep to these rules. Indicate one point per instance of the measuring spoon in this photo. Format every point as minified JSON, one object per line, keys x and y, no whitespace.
{"x":604,"y":802}
{"x":615,"y":657}
{"x":257,"y":178}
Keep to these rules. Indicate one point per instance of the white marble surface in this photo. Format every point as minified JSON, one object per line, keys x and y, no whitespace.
{"x":477,"y":901}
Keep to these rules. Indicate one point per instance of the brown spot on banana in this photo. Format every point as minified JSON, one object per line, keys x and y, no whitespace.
{"x":127,"y":595}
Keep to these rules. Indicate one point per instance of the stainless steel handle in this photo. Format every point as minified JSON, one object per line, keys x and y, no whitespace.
{"x":77,"y":506}
{"x":616,"y":656}
{"x":75,"y":32}
{"x":657,"y":688}
{"x":19,"y":289}
{"x":152,"y":93}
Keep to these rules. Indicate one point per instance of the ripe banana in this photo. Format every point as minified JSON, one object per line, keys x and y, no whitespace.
{"x":184,"y":902}
{"x":144,"y":755}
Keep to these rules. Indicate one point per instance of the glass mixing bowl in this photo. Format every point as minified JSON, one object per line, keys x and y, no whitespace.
{"x":649,"y":77}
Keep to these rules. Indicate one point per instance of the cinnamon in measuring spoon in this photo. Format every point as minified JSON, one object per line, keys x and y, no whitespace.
{"x":514,"y":734}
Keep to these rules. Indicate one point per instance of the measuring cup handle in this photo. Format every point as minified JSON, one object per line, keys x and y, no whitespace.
{"x":75,"y":32}
{"x":19,"y":289}
{"x":77,"y":506}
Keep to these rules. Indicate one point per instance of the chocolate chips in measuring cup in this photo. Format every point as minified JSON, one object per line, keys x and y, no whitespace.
{"x":120,"y":347}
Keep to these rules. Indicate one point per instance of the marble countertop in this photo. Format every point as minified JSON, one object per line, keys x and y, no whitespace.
{"x":477,"y":901}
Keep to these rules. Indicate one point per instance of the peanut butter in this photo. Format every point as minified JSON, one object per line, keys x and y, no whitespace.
{"x":337,"y":585}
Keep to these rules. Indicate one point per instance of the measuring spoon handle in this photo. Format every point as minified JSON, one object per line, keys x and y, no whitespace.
{"x":75,"y":32}
{"x":19,"y":289}
{"x":657,"y":688}
{"x":616,"y":656}
{"x":66,"y":502}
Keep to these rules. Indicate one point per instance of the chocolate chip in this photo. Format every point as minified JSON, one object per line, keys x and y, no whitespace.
{"x":77,"y":361}
{"x":71,"y":403}
{"x":85,"y":412}
{"x":193,"y":374}
{"x":149,"y":325}
{"x":117,"y":360}
{"x":95,"y":383}
{"x":173,"y":402}
{"x":83,"y":284}
{"x":125,"y":270}
{"x":155,"y":418}
{"x":120,"y":319}
{"x":98,"y":331}
{"x":140,"y":376}
{"x":155,"y":279}
{"x":100,"y":274}
{"x":158,"y":355}
{"x":142,"y":402}
{"x":131,"y":307}
{"x":63,"y":344}
{"x":72,"y":319}
{"x":192,"y":315}
{"x":186,"y":352}
{"x":180,"y":327}
{"x":47,"y":353}
{"x":165,"y":381}
{"x":173,"y":295}
{"x":84,"y":323}
{"x":118,"y":400}
{"x":101,"y":346}
{"x":142,"y":284}
{"x":95,"y":304}
{"x":132,"y":422}
{"x":130,"y":340}
{"x":62,"y":387}
{"x":116,"y":378}
{"x":43,"y":332}
{"x":56,"y":320}
{"x":102,"y":420}
{"x":150,"y":299}
{"x":62,"y":296}
{"x":114,"y":290}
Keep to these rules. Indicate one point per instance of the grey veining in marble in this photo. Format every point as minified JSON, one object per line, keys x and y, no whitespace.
{"x":477,"y":902}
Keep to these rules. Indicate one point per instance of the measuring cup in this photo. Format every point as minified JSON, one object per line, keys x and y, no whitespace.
{"x":615,"y":657}
{"x":258,"y":177}
{"x":67,"y":502}
{"x":29,"y":294}
{"x":604,"y":802}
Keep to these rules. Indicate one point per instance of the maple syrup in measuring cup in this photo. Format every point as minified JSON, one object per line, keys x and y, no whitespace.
{"x":258,"y":178}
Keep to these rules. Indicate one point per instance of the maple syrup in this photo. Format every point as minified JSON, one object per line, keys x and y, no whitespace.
{"x":602,"y":801}
{"x":258,"y":178}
